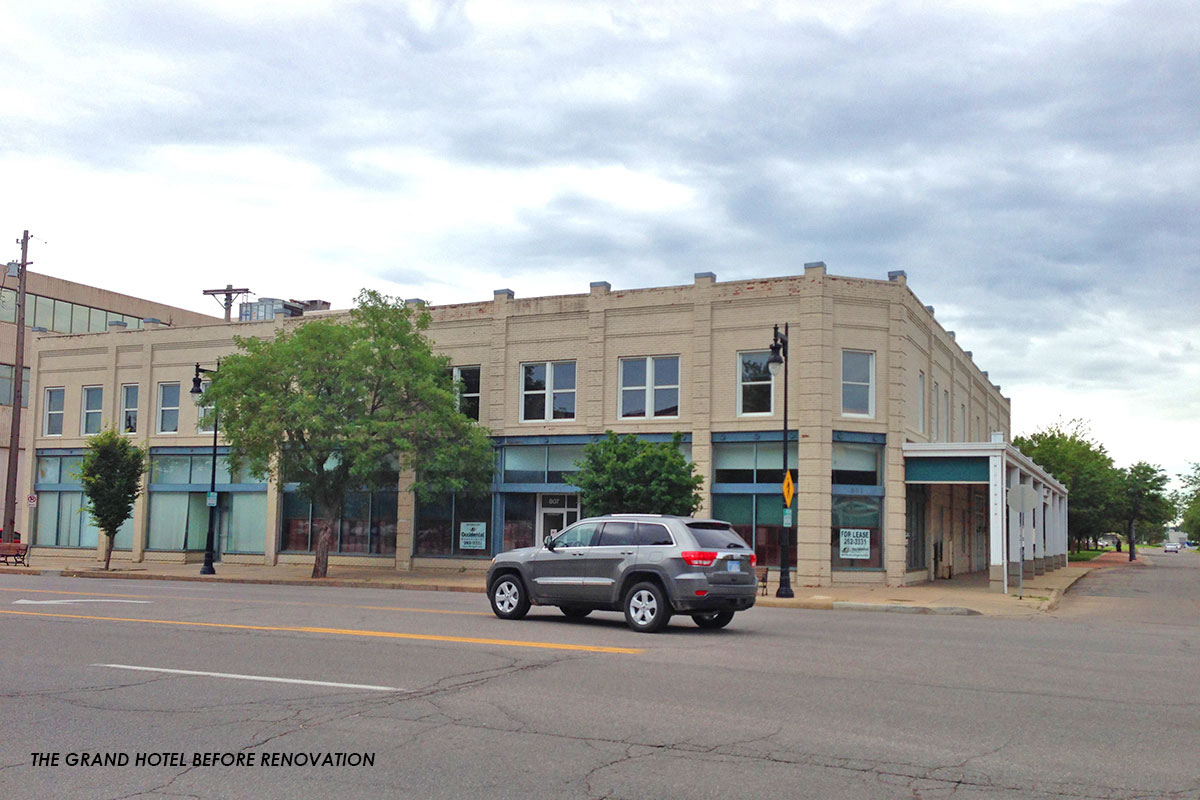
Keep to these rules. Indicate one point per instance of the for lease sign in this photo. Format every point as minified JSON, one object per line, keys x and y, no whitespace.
{"x":855,"y":543}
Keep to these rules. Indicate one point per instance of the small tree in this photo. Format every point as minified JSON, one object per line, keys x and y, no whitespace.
{"x":1143,"y":499}
{"x":112,"y":480}
{"x":341,"y":404}
{"x":1187,"y":503}
{"x":1067,"y":451}
{"x":625,"y":474}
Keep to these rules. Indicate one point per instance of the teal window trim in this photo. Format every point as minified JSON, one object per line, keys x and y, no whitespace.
{"x":753,"y":436}
{"x":203,"y":487}
{"x":862,"y":438}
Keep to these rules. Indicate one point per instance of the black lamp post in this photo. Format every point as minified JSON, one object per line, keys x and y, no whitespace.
{"x":779,"y":358}
{"x":196,"y":392}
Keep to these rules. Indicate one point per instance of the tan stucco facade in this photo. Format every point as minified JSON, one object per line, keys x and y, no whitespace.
{"x":47,"y":287}
{"x":706,"y":324}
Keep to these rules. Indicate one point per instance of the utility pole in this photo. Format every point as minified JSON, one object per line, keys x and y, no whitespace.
{"x":229,"y":293}
{"x":14,"y":432}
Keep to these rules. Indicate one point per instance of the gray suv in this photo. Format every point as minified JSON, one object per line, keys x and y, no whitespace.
{"x":646,"y":565}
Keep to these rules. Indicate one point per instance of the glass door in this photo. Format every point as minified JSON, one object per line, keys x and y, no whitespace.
{"x":555,"y":512}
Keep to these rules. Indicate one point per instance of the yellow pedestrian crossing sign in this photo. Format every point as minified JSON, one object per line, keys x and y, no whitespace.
{"x":789,"y":489}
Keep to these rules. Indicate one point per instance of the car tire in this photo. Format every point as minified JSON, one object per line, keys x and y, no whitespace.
{"x":646,"y":608}
{"x":714,"y":620}
{"x":508,"y":597}
{"x":575,"y":612}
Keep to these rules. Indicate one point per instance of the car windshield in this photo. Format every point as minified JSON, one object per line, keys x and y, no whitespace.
{"x":717,"y":535}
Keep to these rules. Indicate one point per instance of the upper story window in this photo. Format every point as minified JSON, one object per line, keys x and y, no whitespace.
{"x":755,"y":395}
{"x":650,"y":387}
{"x":937,"y":411}
{"x":946,"y":414}
{"x":168,"y":408}
{"x":921,"y":402}
{"x":52,"y":418}
{"x":61,"y":316}
{"x":548,"y":391}
{"x":6,"y":385}
{"x":93,"y":399}
{"x":858,"y":383}
{"x":204,"y":416}
{"x":129,"y":407}
{"x":466,"y":381}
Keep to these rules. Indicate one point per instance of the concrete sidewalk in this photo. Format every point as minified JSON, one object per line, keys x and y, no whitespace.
{"x":966,"y":595}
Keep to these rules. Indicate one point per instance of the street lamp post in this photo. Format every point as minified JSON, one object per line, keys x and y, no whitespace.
{"x":197,"y":392}
{"x":779,"y":358}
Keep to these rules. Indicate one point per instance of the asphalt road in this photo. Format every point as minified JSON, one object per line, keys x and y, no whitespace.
{"x":1098,"y":699}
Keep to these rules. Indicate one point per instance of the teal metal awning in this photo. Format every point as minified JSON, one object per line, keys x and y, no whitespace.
{"x":946,"y":469}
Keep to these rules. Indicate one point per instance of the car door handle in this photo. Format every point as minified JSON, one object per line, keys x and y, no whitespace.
{"x":626,"y":552}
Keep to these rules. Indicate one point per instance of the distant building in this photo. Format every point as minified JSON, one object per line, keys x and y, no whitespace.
{"x":268,"y":308}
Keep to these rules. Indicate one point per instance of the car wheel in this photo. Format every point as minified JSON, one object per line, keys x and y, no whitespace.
{"x":508,"y":597}
{"x":575,"y":612}
{"x":646,"y":608}
{"x":717,"y":619}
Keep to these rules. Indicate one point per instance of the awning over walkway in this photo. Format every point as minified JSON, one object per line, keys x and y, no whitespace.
{"x":1027,"y":506}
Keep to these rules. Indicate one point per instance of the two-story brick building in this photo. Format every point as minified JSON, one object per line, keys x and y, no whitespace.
{"x":896,"y":437}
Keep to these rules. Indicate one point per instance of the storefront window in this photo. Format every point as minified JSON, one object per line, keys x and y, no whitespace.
{"x":857,"y":464}
{"x":60,"y":519}
{"x":857,"y":536}
{"x":758,"y":518}
{"x":454,"y":526}
{"x":520,"y":513}
{"x":365,"y":524}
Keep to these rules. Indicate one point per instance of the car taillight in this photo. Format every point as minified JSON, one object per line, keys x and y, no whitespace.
{"x":699,"y":558}
{"x":753,"y":559}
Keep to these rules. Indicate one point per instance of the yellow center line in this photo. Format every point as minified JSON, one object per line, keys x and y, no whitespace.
{"x":245,"y":600}
{"x":344,"y":632}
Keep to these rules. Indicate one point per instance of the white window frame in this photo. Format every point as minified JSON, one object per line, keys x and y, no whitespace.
{"x":460,"y":394}
{"x":125,"y":409}
{"x":937,"y":411}
{"x":203,"y":415}
{"x":549,"y":391}
{"x":741,"y":395}
{"x":649,"y":387}
{"x":921,"y":401}
{"x":47,"y":413}
{"x":159,"y":415}
{"x":84,"y":412}
{"x":870,"y":384}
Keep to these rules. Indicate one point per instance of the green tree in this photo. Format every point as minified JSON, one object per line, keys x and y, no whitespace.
{"x":1187,"y":503}
{"x":625,"y":474}
{"x":340,"y":404}
{"x":1067,"y":451}
{"x":1142,"y":499}
{"x":111,"y":474}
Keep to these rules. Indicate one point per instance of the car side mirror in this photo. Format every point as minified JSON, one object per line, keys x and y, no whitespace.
{"x":548,"y":540}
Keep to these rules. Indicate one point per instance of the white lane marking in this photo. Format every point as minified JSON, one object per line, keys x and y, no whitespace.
{"x":266,"y":678}
{"x":65,"y":602}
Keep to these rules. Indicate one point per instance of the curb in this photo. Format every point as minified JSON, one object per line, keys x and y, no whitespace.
{"x":335,"y":582}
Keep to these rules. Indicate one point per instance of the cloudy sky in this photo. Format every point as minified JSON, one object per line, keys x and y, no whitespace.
{"x":1034,"y":167}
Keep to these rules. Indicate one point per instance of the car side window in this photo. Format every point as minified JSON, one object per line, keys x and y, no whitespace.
{"x":652,"y":534}
{"x":581,"y":535}
{"x":618,"y":534}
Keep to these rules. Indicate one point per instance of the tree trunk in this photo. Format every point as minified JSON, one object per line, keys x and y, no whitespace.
{"x":324,"y":542}
{"x":1132,"y":537}
{"x":108,"y":549}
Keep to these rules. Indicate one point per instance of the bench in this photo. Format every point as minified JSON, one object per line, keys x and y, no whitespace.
{"x":761,"y":572}
{"x":14,"y":553}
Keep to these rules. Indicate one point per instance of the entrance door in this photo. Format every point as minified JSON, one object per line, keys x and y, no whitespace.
{"x":555,"y":512}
